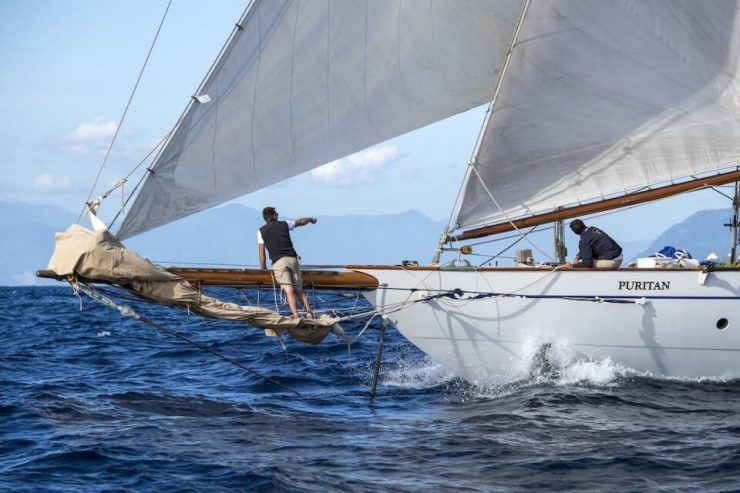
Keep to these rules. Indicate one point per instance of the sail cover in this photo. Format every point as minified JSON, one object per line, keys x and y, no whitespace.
{"x":306,"y":82}
{"x":603,"y":97}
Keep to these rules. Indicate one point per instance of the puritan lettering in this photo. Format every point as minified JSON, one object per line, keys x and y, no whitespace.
{"x":644,"y":285}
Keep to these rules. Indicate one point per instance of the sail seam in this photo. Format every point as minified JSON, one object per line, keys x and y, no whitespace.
{"x":292,"y":77}
{"x":364,"y":73}
{"x":254,"y":93}
{"x":328,"y":66}
{"x":215,"y":132}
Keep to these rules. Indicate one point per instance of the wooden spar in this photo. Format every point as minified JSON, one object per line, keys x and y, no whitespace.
{"x":601,"y":206}
{"x":312,"y":279}
{"x":316,"y":279}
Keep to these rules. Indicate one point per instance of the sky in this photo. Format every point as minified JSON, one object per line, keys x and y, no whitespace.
{"x":69,"y":67}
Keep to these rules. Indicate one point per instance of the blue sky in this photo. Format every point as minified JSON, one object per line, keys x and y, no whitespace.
{"x":68,"y":69}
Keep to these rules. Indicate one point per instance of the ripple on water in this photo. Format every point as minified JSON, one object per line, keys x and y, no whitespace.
{"x":94,"y":402}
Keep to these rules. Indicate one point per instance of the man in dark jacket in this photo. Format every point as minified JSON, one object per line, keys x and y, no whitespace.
{"x":275,"y":236}
{"x":595,"y":248}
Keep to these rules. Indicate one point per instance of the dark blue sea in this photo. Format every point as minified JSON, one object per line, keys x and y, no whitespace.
{"x":94,"y":401}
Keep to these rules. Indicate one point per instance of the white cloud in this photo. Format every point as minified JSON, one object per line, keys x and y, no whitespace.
{"x":25,"y":279}
{"x":95,"y":130}
{"x":357,"y":169}
{"x":51,"y":183}
{"x":90,"y":137}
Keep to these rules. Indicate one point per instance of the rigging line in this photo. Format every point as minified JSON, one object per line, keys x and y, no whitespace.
{"x":541,"y":227}
{"x":521,"y":237}
{"x":699,"y":187}
{"x":155,"y":148}
{"x":129,"y":312}
{"x":364,"y":328}
{"x":513,"y":225}
{"x":716,"y":189}
{"x":161,"y":145}
{"x":535,"y":229}
{"x":491,"y":105}
{"x":125,"y":203}
{"x":125,"y":111}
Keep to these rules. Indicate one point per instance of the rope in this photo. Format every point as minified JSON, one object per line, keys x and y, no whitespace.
{"x":138,"y":184}
{"x":274,"y":291}
{"x":129,"y":312}
{"x":125,"y":111}
{"x":457,"y":294}
{"x":513,"y":225}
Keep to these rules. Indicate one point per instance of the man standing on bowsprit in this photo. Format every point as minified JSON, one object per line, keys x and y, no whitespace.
{"x":275,"y":236}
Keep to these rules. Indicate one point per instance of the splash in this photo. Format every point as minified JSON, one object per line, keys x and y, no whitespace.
{"x":103,"y":333}
{"x":555,"y":361}
{"x":594,"y":372}
{"x":416,"y":374}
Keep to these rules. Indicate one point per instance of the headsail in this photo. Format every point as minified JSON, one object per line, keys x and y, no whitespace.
{"x":604,"y":97}
{"x":304,"y":83}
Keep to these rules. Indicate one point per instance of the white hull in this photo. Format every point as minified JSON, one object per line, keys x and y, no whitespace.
{"x":666,"y":324}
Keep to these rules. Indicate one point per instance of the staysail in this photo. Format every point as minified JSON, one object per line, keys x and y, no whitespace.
{"x":303,"y":83}
{"x":603,"y":98}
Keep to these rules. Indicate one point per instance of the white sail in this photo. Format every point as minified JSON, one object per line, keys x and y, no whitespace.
{"x":603,"y":97}
{"x":304,"y":83}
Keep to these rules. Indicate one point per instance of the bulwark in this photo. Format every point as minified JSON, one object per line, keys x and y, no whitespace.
{"x":644,"y":285}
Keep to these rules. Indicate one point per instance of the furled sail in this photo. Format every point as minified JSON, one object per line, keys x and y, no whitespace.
{"x":603,"y":97}
{"x":303,"y":83}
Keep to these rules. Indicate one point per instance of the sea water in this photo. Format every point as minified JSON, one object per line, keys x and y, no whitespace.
{"x":93,"y":401}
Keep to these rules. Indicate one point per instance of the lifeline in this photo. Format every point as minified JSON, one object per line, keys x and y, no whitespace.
{"x":645,"y":285}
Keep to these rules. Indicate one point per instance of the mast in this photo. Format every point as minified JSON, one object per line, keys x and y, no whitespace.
{"x":627,"y":200}
{"x":558,"y":237}
{"x":734,"y":224}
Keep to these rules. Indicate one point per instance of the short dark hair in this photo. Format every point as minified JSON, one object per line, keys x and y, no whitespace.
{"x":577,"y":226}
{"x":268,"y":212}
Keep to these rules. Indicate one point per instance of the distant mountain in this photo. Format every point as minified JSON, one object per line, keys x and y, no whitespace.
{"x":28,"y":239}
{"x":701,"y":233}
{"x":227,"y":236}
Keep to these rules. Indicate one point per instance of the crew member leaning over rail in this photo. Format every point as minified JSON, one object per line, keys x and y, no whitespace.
{"x":596,"y":249}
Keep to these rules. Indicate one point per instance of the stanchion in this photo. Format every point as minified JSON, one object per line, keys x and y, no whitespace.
{"x":378,"y":356}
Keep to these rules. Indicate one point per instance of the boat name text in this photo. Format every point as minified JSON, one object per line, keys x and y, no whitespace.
{"x":644,"y":285}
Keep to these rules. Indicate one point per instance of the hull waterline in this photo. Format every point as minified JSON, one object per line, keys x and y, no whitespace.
{"x":500,"y":322}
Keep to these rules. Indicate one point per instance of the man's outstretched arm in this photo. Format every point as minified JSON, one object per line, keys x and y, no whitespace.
{"x":305,"y":220}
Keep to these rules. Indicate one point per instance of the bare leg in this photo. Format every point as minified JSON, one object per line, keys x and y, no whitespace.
{"x":304,"y":299}
{"x":290,"y":296}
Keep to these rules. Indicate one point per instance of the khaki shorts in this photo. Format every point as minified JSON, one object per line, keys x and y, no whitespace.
{"x":288,"y":272}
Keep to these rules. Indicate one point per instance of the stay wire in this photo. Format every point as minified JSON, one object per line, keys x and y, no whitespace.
{"x":125,"y":111}
{"x":165,"y":140}
{"x":127,"y":311}
{"x":128,"y":199}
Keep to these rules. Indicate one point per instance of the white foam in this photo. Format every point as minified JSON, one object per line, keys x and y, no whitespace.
{"x":416,"y":374}
{"x":103,"y":333}
{"x":602,"y":372}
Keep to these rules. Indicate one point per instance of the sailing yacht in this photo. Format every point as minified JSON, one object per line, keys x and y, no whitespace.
{"x":593,"y":105}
